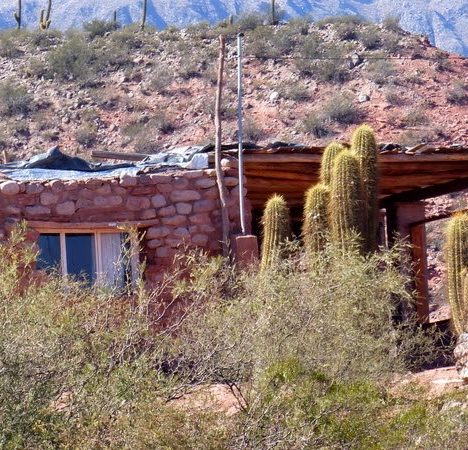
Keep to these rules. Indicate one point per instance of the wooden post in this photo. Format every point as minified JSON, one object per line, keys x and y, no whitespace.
{"x":219,"y":172}
{"x":419,"y":253}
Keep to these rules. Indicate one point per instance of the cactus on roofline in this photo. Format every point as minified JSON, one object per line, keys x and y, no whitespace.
{"x":315,"y":229}
{"x":456,"y":255}
{"x":114,"y":20}
{"x":18,"y":15}
{"x":44,"y":21}
{"x":364,"y":147}
{"x":276,"y":230}
{"x":143,"y":18}
{"x":328,"y":157}
{"x":345,"y":202}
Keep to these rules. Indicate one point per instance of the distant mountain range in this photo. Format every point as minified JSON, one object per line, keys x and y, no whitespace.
{"x":445,"y":22}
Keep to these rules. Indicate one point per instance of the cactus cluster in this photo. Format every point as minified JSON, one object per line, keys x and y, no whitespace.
{"x":276,"y":230}
{"x":351,"y":179}
{"x":44,"y":21}
{"x":456,"y":254}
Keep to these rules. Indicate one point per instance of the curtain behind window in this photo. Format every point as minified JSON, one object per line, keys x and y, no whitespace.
{"x":113,"y":264}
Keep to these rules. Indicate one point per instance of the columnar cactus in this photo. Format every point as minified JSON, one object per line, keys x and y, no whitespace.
{"x":456,"y":254}
{"x":345,"y":202}
{"x":276,"y":229}
{"x":145,"y":10}
{"x":114,"y":20}
{"x":315,"y":229}
{"x":44,"y":21}
{"x":273,"y":12}
{"x":328,"y":157}
{"x":364,"y":147}
{"x":18,"y":15}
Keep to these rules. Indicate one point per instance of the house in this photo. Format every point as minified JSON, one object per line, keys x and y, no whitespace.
{"x":79,"y":214}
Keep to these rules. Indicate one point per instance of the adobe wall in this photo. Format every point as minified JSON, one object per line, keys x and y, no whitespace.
{"x":176,"y":208}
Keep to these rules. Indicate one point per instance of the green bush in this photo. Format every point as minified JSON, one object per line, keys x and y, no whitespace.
{"x":308,"y":350}
{"x":86,"y":135}
{"x":370,"y":37}
{"x":98,"y":28}
{"x":75,"y":59}
{"x":161,"y":78}
{"x":341,"y":109}
{"x":316,"y":124}
{"x":458,"y":94}
{"x":381,"y":71}
{"x":9,"y":47}
{"x":14,"y":99}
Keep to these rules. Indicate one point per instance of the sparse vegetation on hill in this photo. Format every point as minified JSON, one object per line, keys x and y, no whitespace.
{"x":292,"y":73}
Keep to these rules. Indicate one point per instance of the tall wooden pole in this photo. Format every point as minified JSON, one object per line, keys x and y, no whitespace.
{"x":219,"y":135}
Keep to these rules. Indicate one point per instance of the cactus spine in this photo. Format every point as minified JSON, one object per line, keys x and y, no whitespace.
{"x":276,"y":230}
{"x":18,"y":16}
{"x":364,"y":147}
{"x":44,"y":22}
{"x":143,"y":19}
{"x":345,"y":202}
{"x":456,"y":254}
{"x":328,"y":158}
{"x":315,"y":229}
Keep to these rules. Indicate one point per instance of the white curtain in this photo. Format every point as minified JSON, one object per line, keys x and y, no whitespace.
{"x":112,"y":260}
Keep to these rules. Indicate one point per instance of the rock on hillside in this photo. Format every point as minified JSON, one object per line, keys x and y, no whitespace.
{"x":445,"y":22}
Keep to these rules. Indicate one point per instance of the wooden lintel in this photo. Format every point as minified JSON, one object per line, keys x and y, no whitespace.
{"x":428,"y":192}
{"x":101,"y":154}
{"x":90,"y":226}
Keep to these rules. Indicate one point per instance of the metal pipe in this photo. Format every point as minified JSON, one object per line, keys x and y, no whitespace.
{"x":240,"y":132}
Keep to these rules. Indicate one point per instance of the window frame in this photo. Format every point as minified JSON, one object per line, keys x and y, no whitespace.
{"x":97,"y":250}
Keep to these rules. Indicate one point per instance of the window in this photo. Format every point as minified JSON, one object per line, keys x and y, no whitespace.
{"x":106,"y":258}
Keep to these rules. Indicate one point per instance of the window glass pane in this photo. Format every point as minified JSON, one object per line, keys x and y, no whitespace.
{"x":49,"y":252}
{"x":80,"y":256}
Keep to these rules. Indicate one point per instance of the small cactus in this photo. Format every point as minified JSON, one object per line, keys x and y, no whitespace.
{"x":364,"y":147}
{"x":276,"y":230}
{"x":18,"y":15}
{"x":456,"y":255}
{"x":143,"y":18}
{"x":345,"y":202}
{"x":315,"y":229}
{"x":328,"y":157}
{"x":44,"y":21}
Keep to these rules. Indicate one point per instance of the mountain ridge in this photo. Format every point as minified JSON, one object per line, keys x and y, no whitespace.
{"x":444,"y":22}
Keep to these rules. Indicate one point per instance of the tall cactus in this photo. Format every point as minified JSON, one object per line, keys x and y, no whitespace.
{"x":364,"y":147}
{"x":315,"y":229}
{"x":276,"y":230}
{"x":328,"y":158}
{"x":44,"y":21}
{"x":114,"y":20}
{"x":143,"y":18}
{"x":18,"y":15}
{"x":274,"y":20}
{"x":456,"y":255}
{"x":345,"y":202}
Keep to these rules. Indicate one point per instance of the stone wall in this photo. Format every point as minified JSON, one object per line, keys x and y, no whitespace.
{"x":174,"y":209}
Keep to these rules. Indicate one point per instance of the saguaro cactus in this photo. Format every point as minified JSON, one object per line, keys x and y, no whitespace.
{"x":276,"y":229}
{"x":364,"y":147}
{"x":456,"y":255}
{"x":143,"y":18}
{"x":274,"y":20}
{"x":114,"y":20}
{"x":315,"y":229}
{"x":18,"y":15}
{"x":345,"y":202}
{"x":44,"y":21}
{"x":328,"y":157}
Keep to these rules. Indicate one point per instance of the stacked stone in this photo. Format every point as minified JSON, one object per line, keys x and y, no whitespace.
{"x":178,"y":208}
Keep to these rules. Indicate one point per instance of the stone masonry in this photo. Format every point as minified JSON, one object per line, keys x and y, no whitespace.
{"x":172,"y":209}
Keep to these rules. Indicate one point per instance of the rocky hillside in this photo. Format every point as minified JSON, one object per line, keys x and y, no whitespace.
{"x":445,"y":22}
{"x":143,"y":92}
